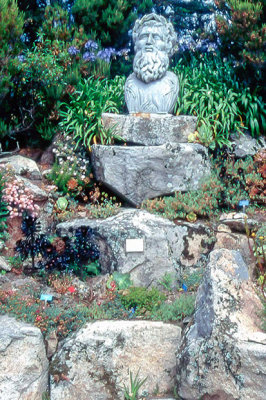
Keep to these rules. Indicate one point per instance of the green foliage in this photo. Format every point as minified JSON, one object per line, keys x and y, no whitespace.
{"x":167,"y":281}
{"x":92,"y":268}
{"x":244,"y":36}
{"x":29,"y":308}
{"x":56,"y":24}
{"x":209,"y":89}
{"x":182,"y":307}
{"x":82,"y":118}
{"x":132,"y":393}
{"x":192,"y":279}
{"x":109,"y":20}
{"x":11,"y":28}
{"x":122,"y":281}
{"x":142,"y":299}
{"x":230,"y":182}
{"x":104,"y":207}
{"x":71,"y":172}
{"x":61,"y":174}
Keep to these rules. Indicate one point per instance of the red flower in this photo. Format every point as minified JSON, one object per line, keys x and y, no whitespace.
{"x":71,"y":289}
{"x":38,"y":318}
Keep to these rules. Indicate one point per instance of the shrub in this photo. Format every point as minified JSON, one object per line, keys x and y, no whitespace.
{"x":142,"y":299}
{"x":109,"y":20}
{"x":182,"y":307}
{"x":11,"y":28}
{"x":244,"y":36}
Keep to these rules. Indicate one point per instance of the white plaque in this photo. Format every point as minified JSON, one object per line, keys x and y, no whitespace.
{"x":134,"y":245}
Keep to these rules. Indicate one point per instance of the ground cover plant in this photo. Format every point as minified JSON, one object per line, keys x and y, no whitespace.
{"x":230,"y":182}
{"x":78,"y":303}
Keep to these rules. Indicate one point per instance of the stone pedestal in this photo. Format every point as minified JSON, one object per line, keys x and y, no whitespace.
{"x":156,"y":160}
{"x":150,"y":129}
{"x":139,"y":173}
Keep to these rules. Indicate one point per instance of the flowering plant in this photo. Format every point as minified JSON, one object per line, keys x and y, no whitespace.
{"x":19,"y":199}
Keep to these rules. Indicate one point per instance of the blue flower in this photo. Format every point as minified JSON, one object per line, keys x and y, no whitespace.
{"x":123,"y":52}
{"x":73,"y":50}
{"x":91,"y":45}
{"x":88,"y":56}
{"x":106,"y":54}
{"x":21,"y":58}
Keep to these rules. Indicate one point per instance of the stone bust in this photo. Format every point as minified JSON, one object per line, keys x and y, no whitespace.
{"x":151,"y":88}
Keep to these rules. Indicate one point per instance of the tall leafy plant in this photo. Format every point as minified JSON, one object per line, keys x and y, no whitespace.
{"x":209,"y":89}
{"x":81,"y":117}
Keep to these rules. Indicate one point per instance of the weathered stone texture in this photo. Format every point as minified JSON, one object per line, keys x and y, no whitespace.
{"x":96,"y":361}
{"x":139,"y":173}
{"x":24,"y":366}
{"x":150,"y":129}
{"x":167,"y":247}
{"x":245,"y":145}
{"x":22,"y":165}
{"x":223,"y":353}
{"x":4,"y":264}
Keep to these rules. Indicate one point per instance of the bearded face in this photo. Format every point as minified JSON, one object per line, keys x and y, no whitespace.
{"x":150,"y":65}
{"x":151,"y":60}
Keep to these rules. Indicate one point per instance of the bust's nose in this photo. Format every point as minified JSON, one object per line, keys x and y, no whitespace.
{"x":150,"y":39}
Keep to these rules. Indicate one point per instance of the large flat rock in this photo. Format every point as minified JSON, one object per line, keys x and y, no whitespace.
{"x":223,"y":353}
{"x":97,"y":359}
{"x":150,"y":129}
{"x":167,"y":247}
{"x":24,"y":366}
{"x":140,"y":173}
{"x":22,"y":166}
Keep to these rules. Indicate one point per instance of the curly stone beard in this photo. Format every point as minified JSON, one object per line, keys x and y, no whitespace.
{"x":150,"y":66}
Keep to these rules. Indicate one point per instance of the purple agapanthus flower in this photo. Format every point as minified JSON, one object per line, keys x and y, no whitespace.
{"x":73,"y":50}
{"x":122,"y":52}
{"x":91,"y":45}
{"x":21,"y":58}
{"x":89,"y":56}
{"x":106,"y":54}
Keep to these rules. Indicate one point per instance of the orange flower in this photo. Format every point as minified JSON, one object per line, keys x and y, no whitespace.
{"x":72,"y":184}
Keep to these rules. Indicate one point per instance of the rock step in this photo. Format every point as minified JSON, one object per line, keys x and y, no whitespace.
{"x":138,"y":173}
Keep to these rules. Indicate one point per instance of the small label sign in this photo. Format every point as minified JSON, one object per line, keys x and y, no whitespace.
{"x":46,"y":297}
{"x":243,"y":203}
{"x":134,"y":245}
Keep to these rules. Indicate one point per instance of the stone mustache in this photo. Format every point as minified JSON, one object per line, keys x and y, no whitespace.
{"x":151,"y":88}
